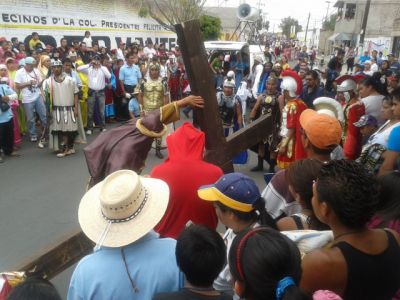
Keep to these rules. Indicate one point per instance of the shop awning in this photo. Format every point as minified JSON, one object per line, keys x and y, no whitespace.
{"x":340,"y":37}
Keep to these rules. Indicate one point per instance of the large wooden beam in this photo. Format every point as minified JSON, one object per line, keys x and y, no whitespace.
{"x":219,"y":150}
{"x":201,"y":81}
{"x":249,"y":136}
{"x":55,"y":259}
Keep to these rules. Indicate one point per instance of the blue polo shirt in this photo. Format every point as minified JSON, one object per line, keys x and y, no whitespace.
{"x":151,"y":264}
{"x":130,"y":75}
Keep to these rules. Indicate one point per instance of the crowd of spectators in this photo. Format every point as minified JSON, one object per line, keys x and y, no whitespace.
{"x":326,"y":226}
{"x":105,"y":78}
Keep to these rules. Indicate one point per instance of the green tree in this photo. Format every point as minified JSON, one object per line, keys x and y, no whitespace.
{"x":330,"y":23}
{"x":210,"y":27}
{"x":286,"y":25}
{"x":167,"y":13}
{"x":265,"y":25}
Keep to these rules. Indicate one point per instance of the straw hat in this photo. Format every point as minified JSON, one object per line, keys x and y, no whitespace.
{"x":122,"y":208}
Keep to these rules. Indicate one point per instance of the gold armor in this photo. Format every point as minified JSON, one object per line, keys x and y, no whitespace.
{"x":153,"y":95}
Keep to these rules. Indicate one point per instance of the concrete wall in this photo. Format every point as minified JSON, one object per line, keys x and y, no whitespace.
{"x":344,"y":25}
{"x":324,"y":44}
{"x":312,"y":38}
{"x":383,"y":19}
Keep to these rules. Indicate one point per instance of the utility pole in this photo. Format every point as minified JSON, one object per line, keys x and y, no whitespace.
{"x":364,"y":23}
{"x":327,"y":10}
{"x":308,"y":21}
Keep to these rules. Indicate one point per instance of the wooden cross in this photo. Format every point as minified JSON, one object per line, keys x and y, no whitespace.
{"x":219,"y":150}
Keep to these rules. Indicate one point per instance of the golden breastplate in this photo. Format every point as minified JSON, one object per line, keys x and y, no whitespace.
{"x":153,"y":95}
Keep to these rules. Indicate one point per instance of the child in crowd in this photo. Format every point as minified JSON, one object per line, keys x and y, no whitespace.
{"x":368,"y":124}
{"x":300,"y":176}
{"x":34,"y":289}
{"x":200,"y":255}
{"x":265,"y":265}
{"x":239,"y":206}
{"x":388,"y":214}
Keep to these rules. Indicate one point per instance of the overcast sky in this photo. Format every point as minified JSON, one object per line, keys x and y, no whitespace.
{"x":279,"y":9}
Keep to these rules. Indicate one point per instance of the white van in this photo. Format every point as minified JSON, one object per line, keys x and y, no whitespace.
{"x":247,"y":52}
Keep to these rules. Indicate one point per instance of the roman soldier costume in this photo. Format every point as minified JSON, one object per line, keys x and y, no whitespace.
{"x":153,"y":92}
{"x":267,"y":104}
{"x":353,"y":110}
{"x":291,"y":147}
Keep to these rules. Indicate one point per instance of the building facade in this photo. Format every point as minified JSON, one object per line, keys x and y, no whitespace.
{"x":110,"y":22}
{"x":382,"y":30}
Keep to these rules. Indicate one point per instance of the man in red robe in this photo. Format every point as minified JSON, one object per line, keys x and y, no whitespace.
{"x":185,"y":171}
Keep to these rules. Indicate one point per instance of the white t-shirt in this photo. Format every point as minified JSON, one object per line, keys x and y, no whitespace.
{"x":223,"y":282}
{"x":120,"y":54}
{"x":381,"y":136}
{"x":163,"y":71}
{"x":149,"y":52}
{"x":373,"y":105}
{"x":29,"y":94}
{"x":374,"y":68}
{"x":257,"y":76}
{"x":88,"y":41}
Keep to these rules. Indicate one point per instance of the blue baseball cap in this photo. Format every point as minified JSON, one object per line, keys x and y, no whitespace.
{"x":366,"y":120}
{"x":235,"y":190}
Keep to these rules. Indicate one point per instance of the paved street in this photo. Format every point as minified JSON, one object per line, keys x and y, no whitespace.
{"x":40,"y":194}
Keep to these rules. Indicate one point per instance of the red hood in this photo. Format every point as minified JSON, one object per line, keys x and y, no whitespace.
{"x":186,"y":143}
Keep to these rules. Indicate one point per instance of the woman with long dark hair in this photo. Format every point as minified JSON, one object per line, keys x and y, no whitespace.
{"x":372,"y":152}
{"x":239,"y":206}
{"x":372,"y":90}
{"x":300,"y":177}
{"x":265,"y":265}
{"x":388,"y":214}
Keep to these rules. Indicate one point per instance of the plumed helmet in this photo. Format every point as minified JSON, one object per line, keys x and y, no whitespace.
{"x":329,"y":106}
{"x":346,"y":83}
{"x":230,"y":74}
{"x":291,"y":82}
{"x":229,"y":83}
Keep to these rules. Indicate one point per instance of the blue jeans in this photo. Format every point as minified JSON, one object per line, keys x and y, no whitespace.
{"x":134,"y":107}
{"x":30,"y":109}
{"x":238,"y":79}
{"x":218,"y":80}
{"x":187,"y":109}
{"x":93,"y":97}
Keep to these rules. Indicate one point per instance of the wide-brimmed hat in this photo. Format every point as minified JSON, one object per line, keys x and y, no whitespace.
{"x":122,"y":208}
